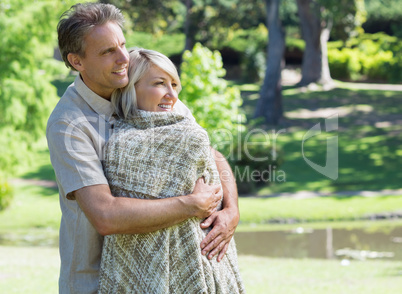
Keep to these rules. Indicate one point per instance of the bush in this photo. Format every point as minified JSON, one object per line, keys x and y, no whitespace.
{"x":27,"y":68}
{"x":375,"y":57}
{"x":6,"y":194}
{"x":214,"y":104}
{"x":252,"y":44}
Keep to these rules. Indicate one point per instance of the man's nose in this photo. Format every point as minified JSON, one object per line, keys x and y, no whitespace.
{"x":123,"y":56}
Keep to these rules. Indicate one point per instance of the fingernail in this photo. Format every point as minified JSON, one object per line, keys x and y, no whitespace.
{"x":203,"y":252}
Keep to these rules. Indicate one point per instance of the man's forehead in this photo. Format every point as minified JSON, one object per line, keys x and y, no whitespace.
{"x":104,"y":37}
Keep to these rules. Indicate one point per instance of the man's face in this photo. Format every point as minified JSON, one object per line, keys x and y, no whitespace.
{"x":104,"y":67}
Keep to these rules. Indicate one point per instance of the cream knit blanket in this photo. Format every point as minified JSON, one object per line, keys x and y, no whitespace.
{"x":160,"y":155}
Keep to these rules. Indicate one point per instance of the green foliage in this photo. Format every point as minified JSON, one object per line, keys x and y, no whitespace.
{"x":295,"y":44}
{"x":214,"y":104}
{"x":241,"y":39}
{"x":215,"y":20}
{"x":152,"y":16}
{"x":345,"y":16}
{"x":26,"y":69}
{"x":384,"y":16}
{"x":251,"y":45}
{"x":6,"y":194}
{"x":375,"y":56}
{"x":172,"y":44}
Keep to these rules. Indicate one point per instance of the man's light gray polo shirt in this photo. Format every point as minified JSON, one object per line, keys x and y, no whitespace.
{"x":77,"y":131}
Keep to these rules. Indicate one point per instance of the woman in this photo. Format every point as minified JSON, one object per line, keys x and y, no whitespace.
{"x":157,"y":153}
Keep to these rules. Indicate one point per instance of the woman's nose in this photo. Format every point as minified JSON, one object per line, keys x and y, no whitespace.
{"x":171,"y":93}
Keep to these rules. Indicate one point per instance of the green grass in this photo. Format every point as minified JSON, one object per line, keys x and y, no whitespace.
{"x":35,"y":270}
{"x":264,"y":210}
{"x":369,"y":138}
{"x":32,"y":218}
{"x":367,"y":225}
{"x":309,"y":276}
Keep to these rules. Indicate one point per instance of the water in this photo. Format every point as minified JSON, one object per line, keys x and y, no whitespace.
{"x":323,"y":243}
{"x":297,"y":243}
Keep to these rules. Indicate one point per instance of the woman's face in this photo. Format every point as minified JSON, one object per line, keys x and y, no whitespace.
{"x":156,"y":91}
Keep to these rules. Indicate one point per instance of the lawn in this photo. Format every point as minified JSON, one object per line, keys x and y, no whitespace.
{"x":35,"y":270}
{"x":369,"y":136}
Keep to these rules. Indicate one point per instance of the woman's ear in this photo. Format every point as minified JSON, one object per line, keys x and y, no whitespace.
{"x":75,"y":61}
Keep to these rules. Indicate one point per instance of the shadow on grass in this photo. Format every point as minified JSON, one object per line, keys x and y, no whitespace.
{"x":45,"y":191}
{"x":44,"y":172}
{"x":369,"y":138}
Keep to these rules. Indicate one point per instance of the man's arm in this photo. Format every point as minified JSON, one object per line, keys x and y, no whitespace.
{"x":121,"y":215}
{"x":223,"y":222}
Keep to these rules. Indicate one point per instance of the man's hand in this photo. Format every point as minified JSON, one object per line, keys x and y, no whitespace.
{"x":204,"y":199}
{"x":224,"y":223}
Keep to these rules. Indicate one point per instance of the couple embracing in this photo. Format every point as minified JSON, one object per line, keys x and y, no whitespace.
{"x":143,"y":207}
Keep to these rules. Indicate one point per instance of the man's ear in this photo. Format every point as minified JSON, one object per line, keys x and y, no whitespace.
{"x":75,"y":61}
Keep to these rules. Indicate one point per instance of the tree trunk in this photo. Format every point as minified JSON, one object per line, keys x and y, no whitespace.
{"x":325,"y":73}
{"x":315,"y":32}
{"x":188,"y":27}
{"x":269,"y":105}
{"x":310,"y":22}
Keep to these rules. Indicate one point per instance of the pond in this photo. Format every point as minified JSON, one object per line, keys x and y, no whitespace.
{"x":323,"y":243}
{"x":302,"y":242}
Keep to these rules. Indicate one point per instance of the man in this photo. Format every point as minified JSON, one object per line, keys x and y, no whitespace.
{"x":91,"y":42}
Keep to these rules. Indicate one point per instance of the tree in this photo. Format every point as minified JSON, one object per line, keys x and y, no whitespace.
{"x":384,"y":16}
{"x":269,"y":105}
{"x":152,"y":16}
{"x":205,"y":21}
{"x":317,"y":18}
{"x":27,"y":68}
{"x":211,"y":21}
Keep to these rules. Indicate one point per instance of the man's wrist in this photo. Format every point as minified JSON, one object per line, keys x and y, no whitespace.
{"x":187,"y":205}
{"x":233,"y":211}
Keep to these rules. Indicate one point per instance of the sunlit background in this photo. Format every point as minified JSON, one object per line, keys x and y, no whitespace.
{"x":320,"y":203}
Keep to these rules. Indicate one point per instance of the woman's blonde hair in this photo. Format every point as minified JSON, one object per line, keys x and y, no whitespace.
{"x":124,"y":100}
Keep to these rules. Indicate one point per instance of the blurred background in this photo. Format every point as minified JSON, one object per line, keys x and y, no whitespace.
{"x":303,"y":97}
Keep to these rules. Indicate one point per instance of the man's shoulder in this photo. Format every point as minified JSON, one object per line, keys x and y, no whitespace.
{"x":70,"y":107}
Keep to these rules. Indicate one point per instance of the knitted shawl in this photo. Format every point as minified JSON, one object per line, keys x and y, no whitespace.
{"x":152,"y":156}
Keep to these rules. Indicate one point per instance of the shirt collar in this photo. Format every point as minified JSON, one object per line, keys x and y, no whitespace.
{"x":100,"y":105}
